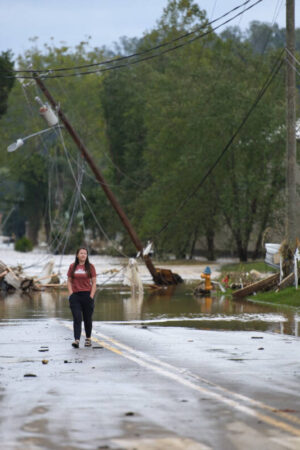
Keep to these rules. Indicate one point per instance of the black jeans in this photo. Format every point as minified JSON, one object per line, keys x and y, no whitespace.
{"x":82,"y":305}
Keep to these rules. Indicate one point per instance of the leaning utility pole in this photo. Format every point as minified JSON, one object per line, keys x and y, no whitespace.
{"x":158,"y":276}
{"x":291,"y":166}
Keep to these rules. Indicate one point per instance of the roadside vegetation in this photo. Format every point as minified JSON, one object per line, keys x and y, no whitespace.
{"x":155,"y":129}
{"x":289,"y":296}
{"x":260,"y":266}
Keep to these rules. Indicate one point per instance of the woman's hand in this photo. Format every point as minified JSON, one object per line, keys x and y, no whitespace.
{"x":69,"y":284}
{"x":93,"y":290}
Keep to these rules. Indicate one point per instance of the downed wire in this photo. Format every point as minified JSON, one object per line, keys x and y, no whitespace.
{"x":147,"y":58}
{"x":273,"y":72}
{"x":122,"y":58}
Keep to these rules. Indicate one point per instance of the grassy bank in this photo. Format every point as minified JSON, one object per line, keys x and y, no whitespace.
{"x":288,"y":296}
{"x":260,"y":266}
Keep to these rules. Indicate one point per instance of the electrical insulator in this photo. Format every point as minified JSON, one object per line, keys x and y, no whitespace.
{"x":48,"y":114}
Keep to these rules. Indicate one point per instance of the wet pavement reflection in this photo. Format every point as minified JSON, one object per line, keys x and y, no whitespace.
{"x":174,"y":306}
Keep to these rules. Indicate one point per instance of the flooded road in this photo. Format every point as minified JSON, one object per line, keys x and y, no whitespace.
{"x":174,"y":306}
{"x":166,"y":371}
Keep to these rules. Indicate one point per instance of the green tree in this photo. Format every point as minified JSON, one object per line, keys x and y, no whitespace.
{"x":6,"y":79}
{"x":42,"y":166}
{"x":193,"y":108}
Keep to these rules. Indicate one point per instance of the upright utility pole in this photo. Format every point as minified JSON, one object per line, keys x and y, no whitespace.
{"x":291,"y":225}
{"x":157,"y":275}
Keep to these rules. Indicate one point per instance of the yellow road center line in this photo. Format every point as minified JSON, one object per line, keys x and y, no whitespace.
{"x":167,"y":373}
{"x":244,"y":398}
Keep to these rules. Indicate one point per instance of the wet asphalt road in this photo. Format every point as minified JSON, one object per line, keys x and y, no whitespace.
{"x":148,"y":387}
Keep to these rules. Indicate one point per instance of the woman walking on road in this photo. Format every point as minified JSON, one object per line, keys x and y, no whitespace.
{"x":82,"y":288}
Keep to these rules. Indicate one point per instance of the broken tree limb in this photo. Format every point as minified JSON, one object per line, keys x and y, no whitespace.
{"x":2,"y":274}
{"x":14,"y":280}
{"x":53,"y":285}
{"x":261,"y":285}
{"x":46,"y":277}
{"x":46,"y":273}
{"x":287,"y":281}
{"x":26,"y":283}
{"x":3,"y":267}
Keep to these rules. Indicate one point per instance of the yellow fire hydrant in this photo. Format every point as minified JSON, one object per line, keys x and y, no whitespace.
{"x":206,"y":275}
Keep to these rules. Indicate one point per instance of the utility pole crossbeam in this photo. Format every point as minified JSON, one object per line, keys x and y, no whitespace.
{"x":156,"y":275}
{"x":291,"y":225}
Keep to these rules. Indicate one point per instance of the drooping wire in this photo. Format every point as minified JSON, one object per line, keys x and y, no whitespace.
{"x":52,"y":160}
{"x":141,"y":53}
{"x":294,"y":62}
{"x":59,"y":238}
{"x":147,"y":58}
{"x":75,"y":209}
{"x":292,"y":56}
{"x":276,"y":12}
{"x":79,"y":119}
{"x":69,"y":157}
{"x":293,"y":66}
{"x":86,"y":201}
{"x":48,"y":206}
{"x":123,"y":173}
{"x":273,"y":72}
{"x":213,"y":9}
{"x":80,"y":166}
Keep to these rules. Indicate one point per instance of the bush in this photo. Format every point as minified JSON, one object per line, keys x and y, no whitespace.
{"x":23,"y":244}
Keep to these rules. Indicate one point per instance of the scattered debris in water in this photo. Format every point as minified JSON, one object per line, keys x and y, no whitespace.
{"x":13,"y":278}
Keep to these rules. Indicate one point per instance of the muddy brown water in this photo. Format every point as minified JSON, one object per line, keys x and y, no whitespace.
{"x":175,"y":306}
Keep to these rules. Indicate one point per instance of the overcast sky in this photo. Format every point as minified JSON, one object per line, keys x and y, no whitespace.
{"x":71,"y":21}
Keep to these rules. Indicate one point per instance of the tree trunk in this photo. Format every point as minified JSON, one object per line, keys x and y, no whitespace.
{"x":243,"y":253}
{"x":195,"y":237}
{"x":257,"y":249}
{"x":33,"y":230}
{"x":210,"y":235}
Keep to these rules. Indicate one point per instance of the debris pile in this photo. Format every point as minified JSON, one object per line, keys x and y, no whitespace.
{"x":289,"y":256}
{"x":239,"y":280}
{"x":13,"y":278}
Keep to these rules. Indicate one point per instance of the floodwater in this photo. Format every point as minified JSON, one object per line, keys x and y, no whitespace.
{"x":166,"y":370}
{"x":173,"y":306}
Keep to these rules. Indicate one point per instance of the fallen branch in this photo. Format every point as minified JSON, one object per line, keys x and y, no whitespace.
{"x":44,"y":277}
{"x":261,"y":285}
{"x":287,"y":281}
{"x":57,"y":285}
{"x":2,"y":274}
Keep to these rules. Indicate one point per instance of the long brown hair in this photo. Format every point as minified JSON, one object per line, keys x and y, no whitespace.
{"x":87,"y":265}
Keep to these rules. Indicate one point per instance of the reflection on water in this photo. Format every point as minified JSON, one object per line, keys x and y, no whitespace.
{"x":174,"y":306}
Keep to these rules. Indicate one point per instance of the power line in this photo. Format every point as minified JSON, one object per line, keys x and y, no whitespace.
{"x":113,"y":60}
{"x":293,"y":66}
{"x":273,"y":72}
{"x":147,"y":58}
{"x":78,"y":186}
{"x":293,"y":56}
